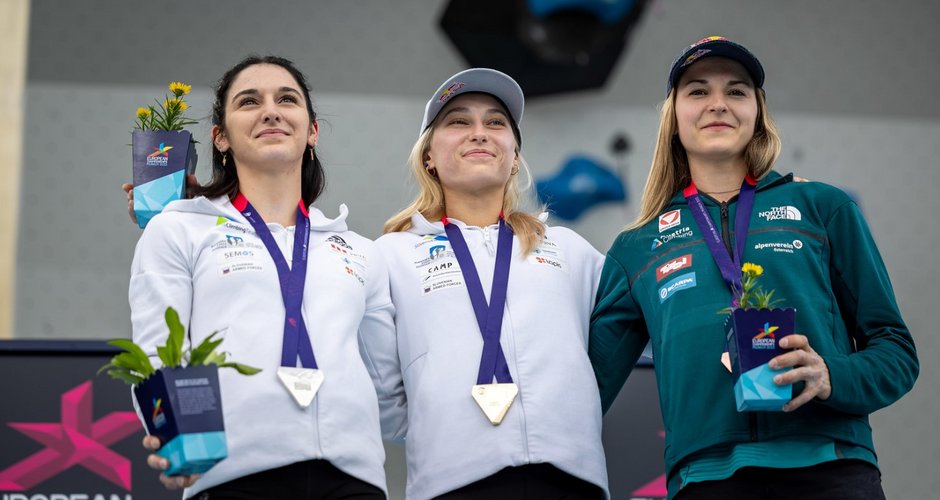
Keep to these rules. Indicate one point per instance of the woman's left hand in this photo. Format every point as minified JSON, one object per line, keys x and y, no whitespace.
{"x":808,"y":367}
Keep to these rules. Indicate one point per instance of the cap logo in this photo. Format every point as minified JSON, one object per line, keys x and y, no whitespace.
{"x":450,"y":92}
{"x":694,"y":57}
{"x":709,"y":39}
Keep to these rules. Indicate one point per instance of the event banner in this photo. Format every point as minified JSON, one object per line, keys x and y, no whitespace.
{"x":66,"y":434}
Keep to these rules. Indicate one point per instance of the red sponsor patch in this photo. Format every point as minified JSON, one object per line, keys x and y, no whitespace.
{"x":673,"y":266}
{"x":669,"y":220}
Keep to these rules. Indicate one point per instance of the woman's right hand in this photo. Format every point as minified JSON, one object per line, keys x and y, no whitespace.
{"x":191,"y":184}
{"x":129,"y":189}
{"x":159,"y":463}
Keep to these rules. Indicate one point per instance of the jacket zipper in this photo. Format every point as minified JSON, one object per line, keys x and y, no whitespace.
{"x":726,"y":237}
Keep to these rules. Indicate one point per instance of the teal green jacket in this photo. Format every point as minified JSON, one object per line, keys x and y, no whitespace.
{"x":660,"y":284}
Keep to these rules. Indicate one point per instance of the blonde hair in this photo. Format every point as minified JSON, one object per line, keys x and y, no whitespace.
{"x":430,"y":200}
{"x":669,"y":171}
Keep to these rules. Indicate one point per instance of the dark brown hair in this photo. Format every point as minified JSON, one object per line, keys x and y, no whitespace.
{"x":224,"y":177}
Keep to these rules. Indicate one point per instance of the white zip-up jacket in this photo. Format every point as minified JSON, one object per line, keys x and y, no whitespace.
{"x":202,"y":257}
{"x":556,"y":417}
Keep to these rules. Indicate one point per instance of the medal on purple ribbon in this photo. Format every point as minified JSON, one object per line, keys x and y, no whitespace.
{"x":493,"y":398}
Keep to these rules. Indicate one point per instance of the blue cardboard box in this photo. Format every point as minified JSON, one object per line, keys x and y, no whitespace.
{"x":183,"y":407}
{"x":753,"y":337}
{"x":162,"y":159}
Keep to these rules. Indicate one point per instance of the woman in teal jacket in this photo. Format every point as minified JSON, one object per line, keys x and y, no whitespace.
{"x":662,"y":283}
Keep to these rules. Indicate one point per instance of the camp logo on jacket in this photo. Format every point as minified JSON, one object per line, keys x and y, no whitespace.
{"x":439,"y":273}
{"x":685,"y":232}
{"x":669,"y":220}
{"x":672,"y":266}
{"x":781,"y":213}
{"x":680,"y":282}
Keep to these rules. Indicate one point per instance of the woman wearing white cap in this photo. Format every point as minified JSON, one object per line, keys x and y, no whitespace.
{"x":711,"y":206}
{"x":492,"y":316}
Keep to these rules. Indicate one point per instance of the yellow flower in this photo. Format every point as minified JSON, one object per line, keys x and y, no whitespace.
{"x":176,"y":104}
{"x":180,"y":88}
{"x":143,"y":113}
{"x":752,"y":269}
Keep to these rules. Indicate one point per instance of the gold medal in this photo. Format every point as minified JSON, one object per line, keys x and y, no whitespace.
{"x":494,"y":399}
{"x":301,"y":383}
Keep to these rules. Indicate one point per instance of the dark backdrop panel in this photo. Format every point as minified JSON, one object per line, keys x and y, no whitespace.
{"x":51,"y":387}
{"x":61,"y":453}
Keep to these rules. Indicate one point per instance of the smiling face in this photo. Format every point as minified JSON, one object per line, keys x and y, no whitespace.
{"x":716,"y":110}
{"x":266,"y":119}
{"x":473,"y":149}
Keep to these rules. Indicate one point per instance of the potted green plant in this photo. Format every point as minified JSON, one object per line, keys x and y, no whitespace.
{"x":163,"y":153}
{"x":753,"y":330}
{"x":181,"y":405}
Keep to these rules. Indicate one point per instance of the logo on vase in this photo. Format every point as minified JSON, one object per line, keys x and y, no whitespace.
{"x":765,"y":338}
{"x":160,"y":156}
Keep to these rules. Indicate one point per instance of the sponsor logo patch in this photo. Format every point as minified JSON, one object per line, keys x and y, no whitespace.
{"x":338,"y":241}
{"x":672,"y":266}
{"x":548,"y":254}
{"x":684,"y":232}
{"x":780,"y":247}
{"x":680,"y":282}
{"x":450,"y":91}
{"x":781,"y":213}
{"x":669,"y":220}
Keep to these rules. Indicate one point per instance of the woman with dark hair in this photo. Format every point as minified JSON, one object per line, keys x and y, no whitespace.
{"x":711,"y":206}
{"x":289,"y":289}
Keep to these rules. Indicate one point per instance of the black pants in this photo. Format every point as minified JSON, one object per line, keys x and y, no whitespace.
{"x":528,"y":482}
{"x":836,"y":480}
{"x":310,"y":480}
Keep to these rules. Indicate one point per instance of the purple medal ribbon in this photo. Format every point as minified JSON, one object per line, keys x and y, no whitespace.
{"x":489,"y":317}
{"x":292,"y":280}
{"x":730,"y":266}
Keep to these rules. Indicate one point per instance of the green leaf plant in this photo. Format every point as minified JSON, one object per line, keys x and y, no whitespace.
{"x":752,"y":295}
{"x":133,"y":366}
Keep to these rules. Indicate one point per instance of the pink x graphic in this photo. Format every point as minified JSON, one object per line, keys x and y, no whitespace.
{"x":75,"y":440}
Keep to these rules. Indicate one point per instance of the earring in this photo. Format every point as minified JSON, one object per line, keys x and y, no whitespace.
{"x":224,"y":158}
{"x":311,"y":153}
{"x":432,"y":171}
{"x":515,"y":170}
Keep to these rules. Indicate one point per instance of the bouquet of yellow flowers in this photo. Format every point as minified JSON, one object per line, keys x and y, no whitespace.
{"x":753,"y":330}
{"x":164,"y":153}
{"x":752,"y":295}
{"x":167,"y":115}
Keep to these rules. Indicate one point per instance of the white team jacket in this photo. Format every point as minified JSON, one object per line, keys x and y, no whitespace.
{"x":556,"y":417}
{"x":204,"y":259}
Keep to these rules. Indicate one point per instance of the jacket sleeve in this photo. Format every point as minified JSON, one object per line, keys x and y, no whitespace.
{"x":618,"y":332}
{"x":378,"y":345}
{"x":884,"y":365}
{"x":161,"y":277}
